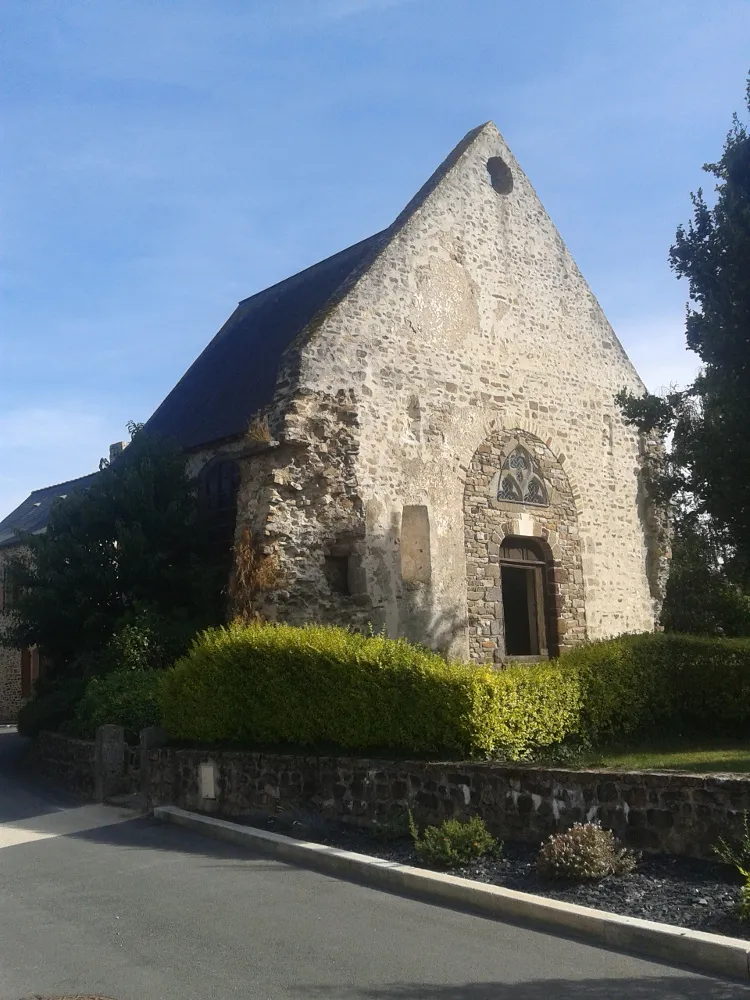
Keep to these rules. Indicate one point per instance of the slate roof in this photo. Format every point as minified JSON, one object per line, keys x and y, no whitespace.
{"x":32,"y":515}
{"x":235,"y":376}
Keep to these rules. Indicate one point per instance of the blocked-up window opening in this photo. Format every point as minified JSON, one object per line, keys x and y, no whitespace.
{"x":416,"y":566}
{"x":336,"y":569}
{"x":26,"y":679}
{"x":218,"y":485}
{"x":10,"y":591}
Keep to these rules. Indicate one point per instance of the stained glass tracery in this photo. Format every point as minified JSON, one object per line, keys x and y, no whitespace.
{"x":520,"y":480}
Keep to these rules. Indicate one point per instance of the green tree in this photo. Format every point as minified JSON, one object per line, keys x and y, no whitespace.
{"x":705,"y":475}
{"x":700,"y":596}
{"x":124,"y":571}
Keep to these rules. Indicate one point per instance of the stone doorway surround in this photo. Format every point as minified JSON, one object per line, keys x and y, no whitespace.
{"x":553,"y":525}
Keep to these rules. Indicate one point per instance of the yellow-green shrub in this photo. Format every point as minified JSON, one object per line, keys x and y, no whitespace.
{"x":317,"y":686}
{"x":270,"y":684}
{"x":454,"y":843}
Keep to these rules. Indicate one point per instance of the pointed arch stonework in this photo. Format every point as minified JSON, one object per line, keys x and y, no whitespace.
{"x":490,"y":518}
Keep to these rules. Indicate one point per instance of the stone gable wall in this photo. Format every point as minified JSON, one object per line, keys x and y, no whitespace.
{"x":472,"y":323}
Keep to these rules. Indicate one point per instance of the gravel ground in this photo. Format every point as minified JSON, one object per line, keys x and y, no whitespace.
{"x":681,"y":891}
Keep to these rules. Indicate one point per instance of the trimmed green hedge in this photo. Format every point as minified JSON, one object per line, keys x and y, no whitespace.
{"x":270,"y":684}
{"x":324,"y":686}
{"x":682,"y":684}
{"x":128,"y":698}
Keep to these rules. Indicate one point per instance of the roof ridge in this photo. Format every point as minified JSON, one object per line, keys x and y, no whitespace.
{"x":236,"y":373}
{"x":387,"y":234}
{"x":310,"y":267}
{"x":55,"y":486}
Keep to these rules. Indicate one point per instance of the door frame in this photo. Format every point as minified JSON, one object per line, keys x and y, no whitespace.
{"x":536,"y":571}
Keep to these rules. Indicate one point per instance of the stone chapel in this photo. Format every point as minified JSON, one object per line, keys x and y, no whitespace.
{"x":421,"y":431}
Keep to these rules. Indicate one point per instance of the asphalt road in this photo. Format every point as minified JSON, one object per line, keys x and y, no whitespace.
{"x":93,"y":901}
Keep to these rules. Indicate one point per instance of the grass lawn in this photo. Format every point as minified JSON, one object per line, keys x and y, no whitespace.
{"x":676,"y":755}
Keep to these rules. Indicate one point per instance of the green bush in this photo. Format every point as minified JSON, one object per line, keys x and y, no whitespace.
{"x":53,"y":703}
{"x":328,"y":687}
{"x":315,"y":686}
{"x":454,"y":843}
{"x":585,"y":851}
{"x":739,"y":857}
{"x":128,"y":698}
{"x":681,"y":684}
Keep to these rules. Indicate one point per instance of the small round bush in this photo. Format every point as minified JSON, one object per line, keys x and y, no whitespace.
{"x":585,"y":851}
{"x":454,"y":843}
{"x":128,"y":698}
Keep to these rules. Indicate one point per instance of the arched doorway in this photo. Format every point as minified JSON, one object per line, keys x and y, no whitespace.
{"x":523,"y":552}
{"x":523,"y":585}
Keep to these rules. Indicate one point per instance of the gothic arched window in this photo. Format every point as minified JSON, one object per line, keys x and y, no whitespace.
{"x":520,"y":480}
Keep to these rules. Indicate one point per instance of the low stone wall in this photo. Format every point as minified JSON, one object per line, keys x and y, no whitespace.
{"x":68,"y":762}
{"x":74,"y":764}
{"x":655,"y":812}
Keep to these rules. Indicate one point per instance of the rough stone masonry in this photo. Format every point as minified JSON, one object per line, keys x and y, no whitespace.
{"x":670,"y":813}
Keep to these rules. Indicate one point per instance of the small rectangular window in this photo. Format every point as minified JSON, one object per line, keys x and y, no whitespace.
{"x":416,"y":563}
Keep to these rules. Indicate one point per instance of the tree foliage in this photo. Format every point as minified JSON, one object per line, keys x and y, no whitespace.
{"x":124,"y":573}
{"x":706,"y":474}
{"x":701,"y":597}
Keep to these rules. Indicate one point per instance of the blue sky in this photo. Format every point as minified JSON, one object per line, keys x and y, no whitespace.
{"x":162,"y":160}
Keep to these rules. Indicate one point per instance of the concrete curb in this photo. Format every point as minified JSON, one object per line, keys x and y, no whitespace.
{"x":708,"y":953}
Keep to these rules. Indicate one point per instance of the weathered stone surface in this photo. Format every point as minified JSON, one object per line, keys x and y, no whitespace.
{"x":73,"y":764}
{"x":688,"y":815}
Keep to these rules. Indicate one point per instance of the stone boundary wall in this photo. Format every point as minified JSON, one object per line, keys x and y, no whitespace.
{"x":66,"y":761}
{"x":87,"y":767}
{"x":655,"y":812}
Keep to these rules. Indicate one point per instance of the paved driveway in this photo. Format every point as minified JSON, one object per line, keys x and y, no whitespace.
{"x":94,"y":901}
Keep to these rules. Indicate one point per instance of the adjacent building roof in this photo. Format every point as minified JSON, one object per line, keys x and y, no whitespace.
{"x":33,"y":514}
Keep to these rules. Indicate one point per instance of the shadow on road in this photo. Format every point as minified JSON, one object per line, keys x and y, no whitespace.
{"x":656,"y":988}
{"x":24,"y":793}
{"x":146,"y":834}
